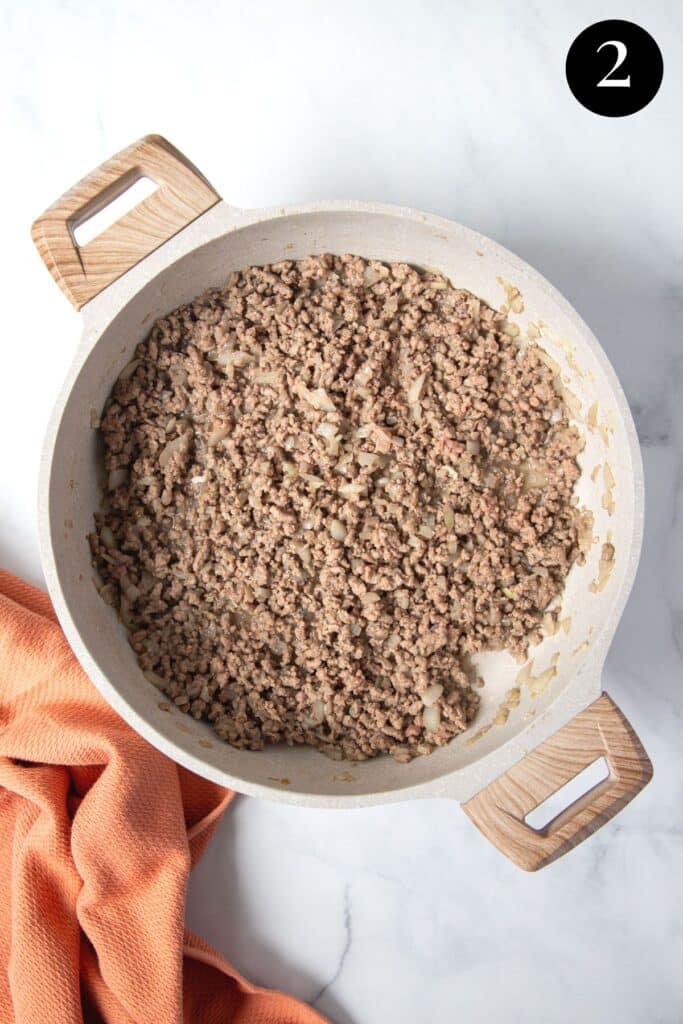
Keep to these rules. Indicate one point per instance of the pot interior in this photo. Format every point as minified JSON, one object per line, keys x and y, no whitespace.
{"x":592,"y":598}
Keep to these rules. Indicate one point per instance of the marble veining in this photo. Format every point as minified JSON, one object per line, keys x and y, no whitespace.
{"x":347,"y":933}
{"x":400,"y":913}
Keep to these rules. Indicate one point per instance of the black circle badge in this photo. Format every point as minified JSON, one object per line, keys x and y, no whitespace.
{"x":614,"y":68}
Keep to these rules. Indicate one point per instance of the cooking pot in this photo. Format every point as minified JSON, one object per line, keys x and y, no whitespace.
{"x":539,"y":724}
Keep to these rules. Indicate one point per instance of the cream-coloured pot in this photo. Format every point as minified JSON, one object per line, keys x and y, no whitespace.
{"x":539,"y":725}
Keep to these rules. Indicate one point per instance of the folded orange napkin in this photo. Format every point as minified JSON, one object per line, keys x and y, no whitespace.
{"x":98,"y":834}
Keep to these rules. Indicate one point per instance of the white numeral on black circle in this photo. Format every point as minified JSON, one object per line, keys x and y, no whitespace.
{"x":616,"y":83}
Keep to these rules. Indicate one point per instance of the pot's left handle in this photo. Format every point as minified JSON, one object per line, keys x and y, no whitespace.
{"x":182,"y":194}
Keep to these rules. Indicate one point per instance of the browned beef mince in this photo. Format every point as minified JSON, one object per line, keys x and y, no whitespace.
{"x":329,"y":484}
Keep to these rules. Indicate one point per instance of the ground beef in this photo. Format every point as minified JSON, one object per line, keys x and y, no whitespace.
{"x":329,"y":484}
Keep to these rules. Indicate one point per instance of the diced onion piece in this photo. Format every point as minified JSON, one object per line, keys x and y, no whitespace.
{"x":430,"y":696}
{"x":106,"y":593}
{"x":326,"y":430}
{"x":270,"y":377}
{"x":448,"y":517}
{"x":317,"y":716}
{"x":431,"y":719}
{"x":314,"y":482}
{"x":173,"y":446}
{"x":426,"y":530}
{"x":550,"y":624}
{"x":129,"y":369}
{"x":107,"y":537}
{"x":572,"y":404}
{"x":317,"y":398}
{"x":551,"y":363}
{"x":154,"y":679}
{"x":370,"y":597}
{"x":371,"y":275}
{"x":304,"y":553}
{"x":336,"y":529}
{"x":415,"y":389}
{"x":224,"y":355}
{"x":383,"y":439}
{"x":217,"y":434}
{"x":364,"y":375}
{"x":473,"y":447}
{"x":535,"y":476}
{"x":124,"y":612}
{"x":605,"y":567}
{"x":228,"y":358}
{"x":351,"y":490}
{"x":129,"y":589}
{"x":367,"y":459}
{"x":321,"y":400}
{"x":116,"y":478}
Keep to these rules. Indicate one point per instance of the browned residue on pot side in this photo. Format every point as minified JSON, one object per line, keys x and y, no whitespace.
{"x":510,"y":701}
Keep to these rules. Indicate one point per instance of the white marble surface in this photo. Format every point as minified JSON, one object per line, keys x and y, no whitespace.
{"x":400,"y":913}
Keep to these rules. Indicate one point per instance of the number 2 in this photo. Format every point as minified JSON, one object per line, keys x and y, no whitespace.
{"x":623,"y":83}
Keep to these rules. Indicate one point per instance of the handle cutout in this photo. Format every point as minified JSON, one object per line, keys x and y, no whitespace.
{"x":564,"y":800}
{"x":110,"y":207}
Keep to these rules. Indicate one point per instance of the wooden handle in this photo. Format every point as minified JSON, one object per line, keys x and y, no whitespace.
{"x":181,"y":196}
{"x":600,"y":731}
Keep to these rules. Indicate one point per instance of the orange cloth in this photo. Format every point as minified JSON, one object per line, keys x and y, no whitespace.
{"x":98,"y":833}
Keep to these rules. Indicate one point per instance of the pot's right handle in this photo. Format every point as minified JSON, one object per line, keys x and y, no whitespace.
{"x":600,"y":731}
{"x":182,"y":194}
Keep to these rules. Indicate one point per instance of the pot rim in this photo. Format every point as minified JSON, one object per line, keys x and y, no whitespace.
{"x":223,"y":219}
